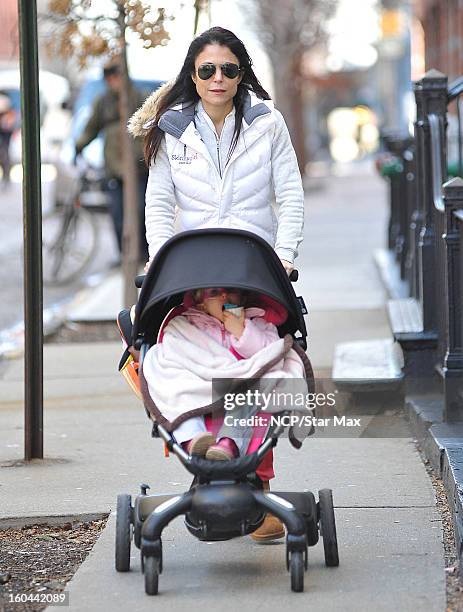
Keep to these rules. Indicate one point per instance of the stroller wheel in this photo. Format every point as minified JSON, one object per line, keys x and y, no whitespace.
{"x":328,"y":527}
{"x":123,"y":532}
{"x":151,"y":565}
{"x":296,"y":567}
{"x":311,"y":523}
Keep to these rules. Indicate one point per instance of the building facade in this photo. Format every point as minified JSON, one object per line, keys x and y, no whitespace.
{"x":9,"y":40}
{"x":442,"y":23}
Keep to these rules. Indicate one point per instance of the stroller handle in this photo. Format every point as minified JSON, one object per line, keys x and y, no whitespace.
{"x":293,"y":277}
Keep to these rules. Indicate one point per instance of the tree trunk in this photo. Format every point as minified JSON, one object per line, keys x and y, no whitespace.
{"x":288,"y":100}
{"x":130,"y":228}
{"x":297,"y":113}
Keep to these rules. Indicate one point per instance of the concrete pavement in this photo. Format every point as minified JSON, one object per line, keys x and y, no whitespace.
{"x":97,"y":445}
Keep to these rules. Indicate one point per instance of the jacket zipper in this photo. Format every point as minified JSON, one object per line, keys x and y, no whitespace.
{"x":217,"y":139}
{"x":218,"y":154}
{"x":219,"y":171}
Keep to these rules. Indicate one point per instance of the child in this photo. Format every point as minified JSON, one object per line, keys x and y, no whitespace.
{"x":211,"y":338}
{"x":220,"y":313}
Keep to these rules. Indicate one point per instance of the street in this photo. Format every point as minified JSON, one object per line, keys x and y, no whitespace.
{"x":11,"y":254}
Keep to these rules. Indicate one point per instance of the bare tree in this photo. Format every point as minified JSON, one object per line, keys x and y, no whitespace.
{"x":201,"y":7}
{"x":288,"y":29}
{"x":82,"y":33}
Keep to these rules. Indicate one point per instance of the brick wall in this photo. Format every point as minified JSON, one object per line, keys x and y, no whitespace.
{"x":442,"y":21}
{"x":9,"y":39}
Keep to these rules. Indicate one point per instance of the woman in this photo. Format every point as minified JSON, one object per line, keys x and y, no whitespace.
{"x":216,"y":148}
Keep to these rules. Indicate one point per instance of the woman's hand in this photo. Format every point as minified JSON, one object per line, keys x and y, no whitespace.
{"x":289,"y":267}
{"x":233,"y":324}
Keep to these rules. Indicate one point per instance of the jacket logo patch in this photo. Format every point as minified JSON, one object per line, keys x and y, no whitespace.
{"x":184,"y":159}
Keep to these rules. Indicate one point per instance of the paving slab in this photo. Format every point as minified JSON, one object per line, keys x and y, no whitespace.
{"x":378,"y":548}
{"x":345,"y":224}
{"x":379,"y":551}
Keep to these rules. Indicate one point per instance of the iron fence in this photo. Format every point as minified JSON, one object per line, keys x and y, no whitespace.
{"x":426,"y":224}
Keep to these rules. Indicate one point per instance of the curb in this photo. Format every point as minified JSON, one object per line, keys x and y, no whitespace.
{"x":12,"y":338}
{"x":54,"y":317}
{"x":55,"y":520}
{"x":442,"y":444}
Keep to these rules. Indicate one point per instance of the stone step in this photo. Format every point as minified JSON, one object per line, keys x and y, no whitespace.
{"x":405,"y":317}
{"x":368,"y":366}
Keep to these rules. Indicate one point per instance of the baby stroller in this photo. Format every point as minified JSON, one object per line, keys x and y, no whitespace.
{"x":225,"y":499}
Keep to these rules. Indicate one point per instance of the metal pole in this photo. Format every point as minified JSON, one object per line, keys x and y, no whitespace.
{"x":32,"y":211}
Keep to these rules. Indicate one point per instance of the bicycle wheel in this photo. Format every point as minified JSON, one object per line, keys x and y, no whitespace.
{"x":69,"y":241}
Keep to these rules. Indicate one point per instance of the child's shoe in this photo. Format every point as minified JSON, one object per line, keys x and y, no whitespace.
{"x":199,"y":444}
{"x":224,"y":450}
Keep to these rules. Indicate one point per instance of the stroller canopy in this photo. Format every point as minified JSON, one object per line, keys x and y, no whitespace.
{"x":213,"y":258}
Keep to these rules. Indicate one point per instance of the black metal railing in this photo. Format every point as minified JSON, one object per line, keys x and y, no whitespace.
{"x":431,"y":107}
{"x":437,"y":142}
{"x":426,"y":225}
{"x":414,"y":216}
{"x":400,"y":165}
{"x":452,"y":363}
{"x":455,"y":92}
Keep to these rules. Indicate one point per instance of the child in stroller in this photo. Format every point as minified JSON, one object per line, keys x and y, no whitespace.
{"x":232,"y":319}
{"x":225,"y":499}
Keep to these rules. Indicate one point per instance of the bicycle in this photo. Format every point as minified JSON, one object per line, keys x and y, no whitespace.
{"x":70,"y":230}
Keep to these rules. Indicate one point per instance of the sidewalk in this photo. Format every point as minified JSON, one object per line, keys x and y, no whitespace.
{"x":97,"y":444}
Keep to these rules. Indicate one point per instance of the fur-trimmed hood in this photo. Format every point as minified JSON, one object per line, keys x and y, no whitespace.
{"x":176,"y":119}
{"x":140,"y":122}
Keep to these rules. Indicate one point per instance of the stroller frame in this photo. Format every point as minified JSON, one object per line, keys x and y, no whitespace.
{"x":224,"y":505}
{"x":226,"y":499}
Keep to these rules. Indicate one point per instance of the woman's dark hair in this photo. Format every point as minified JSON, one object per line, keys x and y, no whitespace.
{"x":184,"y":89}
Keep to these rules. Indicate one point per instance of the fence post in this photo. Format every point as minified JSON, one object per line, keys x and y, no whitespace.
{"x":397,"y":145}
{"x":393,"y":230}
{"x":431,"y":94}
{"x":453,"y":361}
{"x":410,"y":264}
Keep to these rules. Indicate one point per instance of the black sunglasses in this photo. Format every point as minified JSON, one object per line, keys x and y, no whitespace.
{"x":231,"y":71}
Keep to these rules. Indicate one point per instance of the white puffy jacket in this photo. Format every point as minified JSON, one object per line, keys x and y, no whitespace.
{"x":237,"y":194}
